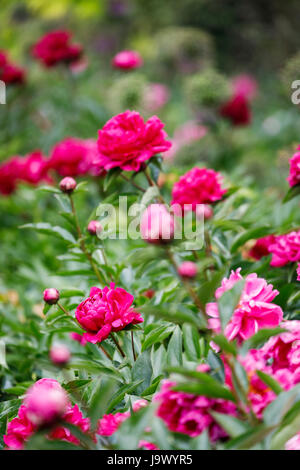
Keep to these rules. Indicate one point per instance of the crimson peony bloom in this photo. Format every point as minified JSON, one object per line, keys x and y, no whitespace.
{"x":237,"y":110}
{"x":21,"y":428}
{"x":55,"y":47}
{"x":285,"y":249}
{"x":254,"y":311}
{"x":105,"y":311}
{"x":190,"y":414}
{"x":9,"y":72}
{"x":74,"y":157}
{"x":126,"y":141}
{"x":261,"y":247}
{"x":46,"y":402}
{"x":157,"y":224}
{"x":9,"y":175}
{"x":127,"y":60}
{"x":198,"y":186}
{"x":294,"y":176}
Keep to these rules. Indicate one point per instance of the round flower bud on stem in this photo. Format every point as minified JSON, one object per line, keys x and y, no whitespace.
{"x":187,"y":269}
{"x":51,"y":296}
{"x":60,"y":354}
{"x":94,"y":227}
{"x":67,"y":185}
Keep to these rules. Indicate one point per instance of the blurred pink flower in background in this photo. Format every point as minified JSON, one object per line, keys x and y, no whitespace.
{"x":156,"y":96}
{"x":188,"y":269}
{"x":285,"y":249}
{"x":60,"y":354}
{"x":157,"y":224}
{"x":244,"y":85}
{"x":237,"y":110}
{"x":185,"y":134}
{"x":294,"y":176}
{"x":127,"y":60}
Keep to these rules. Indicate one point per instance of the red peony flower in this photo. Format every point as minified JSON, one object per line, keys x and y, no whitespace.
{"x":198,"y":186}
{"x":55,"y":47}
{"x":127,"y":60}
{"x":9,"y":175}
{"x":237,"y":110}
{"x":105,"y":311}
{"x":126,"y":141}
{"x":12,"y":74}
{"x":261,"y":247}
{"x":294,"y":176}
{"x":74,"y":157}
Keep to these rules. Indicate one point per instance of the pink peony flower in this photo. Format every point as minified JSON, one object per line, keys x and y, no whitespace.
{"x":293,"y":443}
{"x":147,"y":445}
{"x":19,"y":430}
{"x":188,"y":269}
{"x":261,"y":247}
{"x":67,"y":185}
{"x":155,"y":97}
{"x":79,"y":338}
{"x":185,"y":134}
{"x":73,"y":416}
{"x":55,"y":47}
{"x":294,"y":176}
{"x":109,"y":424}
{"x":198,"y":186}
{"x":51,"y":296}
{"x":60,"y":354}
{"x":237,"y":110}
{"x":157,"y":224}
{"x":285,"y":249}
{"x":33,"y":168}
{"x":254,"y":311}
{"x":94,"y":227}
{"x":190,"y":414}
{"x":127,"y":60}
{"x":105,"y":311}
{"x":46,"y":402}
{"x":9,"y":175}
{"x":126,"y":141}
{"x":74,"y":157}
{"x":244,"y":85}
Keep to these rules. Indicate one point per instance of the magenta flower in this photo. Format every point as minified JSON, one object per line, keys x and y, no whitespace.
{"x":285,"y":249}
{"x":126,"y":141}
{"x":74,"y":157}
{"x":188,"y":269}
{"x":10,"y":73}
{"x":55,"y":47}
{"x":261,"y":247}
{"x":237,"y":111}
{"x":109,"y":423}
{"x":245,"y":85}
{"x":190,"y":414}
{"x":105,"y":311}
{"x":127,"y":60}
{"x":294,"y":176}
{"x":51,"y":295}
{"x":157,"y":224}
{"x":94,"y":227}
{"x":254,"y":311}
{"x":198,"y":186}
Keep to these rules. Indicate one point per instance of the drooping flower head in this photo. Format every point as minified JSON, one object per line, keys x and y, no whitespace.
{"x":127,"y":60}
{"x":126,"y":141}
{"x":157,"y":224}
{"x":294,"y":176}
{"x":254,"y":311}
{"x":285,"y":249}
{"x":237,"y":111}
{"x":105,"y":311}
{"x":74,"y":157}
{"x":56,"y":47}
{"x":190,"y":414}
{"x":198,"y":186}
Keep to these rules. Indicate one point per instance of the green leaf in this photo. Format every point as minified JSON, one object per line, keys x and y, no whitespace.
{"x":270,"y":381}
{"x":120,"y":394}
{"x":191,"y":341}
{"x":132,"y":429}
{"x":103,"y":391}
{"x":3,"y":354}
{"x":292,"y":193}
{"x":209,"y":390}
{"x":228,"y":301}
{"x":157,"y":335}
{"x":285,"y":433}
{"x":233,"y":426}
{"x":49,"y":229}
{"x":254,"y":233}
{"x":174,"y":351}
{"x":142,"y":370}
{"x":111,"y":176}
{"x":71,"y":292}
{"x":276,"y":410}
{"x":225,"y":345}
{"x":260,"y":338}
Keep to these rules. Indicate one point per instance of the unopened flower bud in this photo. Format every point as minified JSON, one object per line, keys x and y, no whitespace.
{"x":51,"y":296}
{"x":94,"y":227}
{"x":67,"y":185}
{"x":157,"y":224}
{"x":60,"y":354}
{"x":188,"y":269}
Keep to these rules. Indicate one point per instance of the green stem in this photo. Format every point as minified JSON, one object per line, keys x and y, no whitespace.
{"x":118,"y":345}
{"x":63,"y":308}
{"x":132,"y":345}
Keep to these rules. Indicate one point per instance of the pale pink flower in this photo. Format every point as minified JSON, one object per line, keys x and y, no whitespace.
{"x":293,"y":443}
{"x":245,"y":85}
{"x":254,"y":311}
{"x":155,"y":97}
{"x":60,"y":354}
{"x":147,"y":445}
{"x":157,"y":224}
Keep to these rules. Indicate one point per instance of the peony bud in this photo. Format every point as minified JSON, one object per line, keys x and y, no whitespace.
{"x":46,"y":402}
{"x":157,"y":224}
{"x":149,"y":293}
{"x":127,"y":60}
{"x":188,"y":269}
{"x":60,"y":354}
{"x":137,"y":405}
{"x":67,"y":185}
{"x":94,"y":227}
{"x":51,"y":296}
